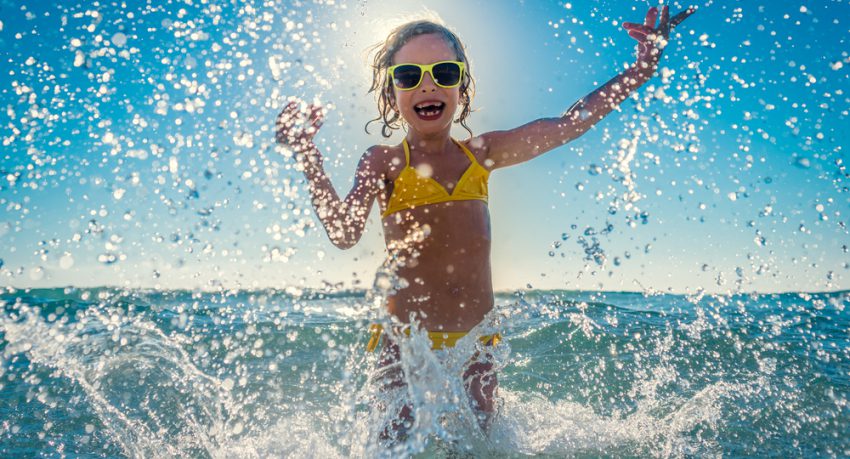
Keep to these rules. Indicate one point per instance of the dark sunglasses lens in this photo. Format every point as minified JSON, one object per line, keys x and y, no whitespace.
{"x":447,"y":74}
{"x":406,"y":76}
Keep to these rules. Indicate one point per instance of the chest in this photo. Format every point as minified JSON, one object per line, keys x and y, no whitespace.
{"x":443,"y":172}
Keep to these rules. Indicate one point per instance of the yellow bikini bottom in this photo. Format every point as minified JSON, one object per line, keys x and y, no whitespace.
{"x":439,"y":339}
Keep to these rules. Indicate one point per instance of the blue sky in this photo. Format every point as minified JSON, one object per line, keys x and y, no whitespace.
{"x":137,"y":144}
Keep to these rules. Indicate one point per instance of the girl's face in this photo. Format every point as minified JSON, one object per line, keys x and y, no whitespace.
{"x":439,"y":103}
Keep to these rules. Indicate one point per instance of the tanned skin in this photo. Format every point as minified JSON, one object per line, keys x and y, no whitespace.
{"x":442,"y":251}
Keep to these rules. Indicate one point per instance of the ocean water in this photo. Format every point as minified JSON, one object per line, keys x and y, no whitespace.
{"x":139,"y":150}
{"x":135,"y":373}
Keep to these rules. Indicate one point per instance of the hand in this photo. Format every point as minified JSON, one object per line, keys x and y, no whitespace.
{"x":651,"y":39}
{"x":296,"y":126}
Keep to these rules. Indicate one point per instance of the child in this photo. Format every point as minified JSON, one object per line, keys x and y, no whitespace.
{"x":432,"y":189}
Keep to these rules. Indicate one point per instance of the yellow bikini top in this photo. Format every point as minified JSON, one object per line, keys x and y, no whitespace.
{"x":412,"y":190}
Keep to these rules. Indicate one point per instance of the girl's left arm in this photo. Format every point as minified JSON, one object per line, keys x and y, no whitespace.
{"x":507,"y":148}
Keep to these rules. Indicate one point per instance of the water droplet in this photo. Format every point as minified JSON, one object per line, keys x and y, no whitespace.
{"x":119,"y":39}
{"x":36,"y":273}
{"x":244,"y":139}
{"x":803,"y":163}
{"x":383,"y":282}
{"x":107,"y":258}
{"x":67,"y":261}
{"x":425,"y":170}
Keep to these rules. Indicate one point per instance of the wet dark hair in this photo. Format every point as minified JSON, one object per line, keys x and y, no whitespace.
{"x":383,"y":59}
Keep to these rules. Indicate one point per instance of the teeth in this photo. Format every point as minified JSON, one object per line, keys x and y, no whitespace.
{"x":427,"y":104}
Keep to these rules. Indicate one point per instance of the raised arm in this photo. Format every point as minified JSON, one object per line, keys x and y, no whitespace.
{"x":506,"y":148}
{"x":343,"y":219}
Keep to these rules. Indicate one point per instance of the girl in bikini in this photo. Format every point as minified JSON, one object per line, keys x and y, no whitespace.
{"x":432,"y":189}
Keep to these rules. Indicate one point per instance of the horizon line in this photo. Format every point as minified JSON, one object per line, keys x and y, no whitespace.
{"x":300,"y":291}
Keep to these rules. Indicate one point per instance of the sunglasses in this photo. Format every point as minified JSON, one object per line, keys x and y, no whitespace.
{"x":445,"y":74}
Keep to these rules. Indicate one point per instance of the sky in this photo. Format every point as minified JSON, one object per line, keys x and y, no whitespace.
{"x":138,"y":146}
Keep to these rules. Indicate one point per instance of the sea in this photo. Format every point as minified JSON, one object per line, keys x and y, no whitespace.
{"x":108,"y":372}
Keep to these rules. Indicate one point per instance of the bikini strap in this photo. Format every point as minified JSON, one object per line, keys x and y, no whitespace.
{"x":406,"y":153}
{"x":466,"y":150}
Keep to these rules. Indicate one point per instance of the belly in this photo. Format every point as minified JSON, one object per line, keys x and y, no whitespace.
{"x":444,"y":260}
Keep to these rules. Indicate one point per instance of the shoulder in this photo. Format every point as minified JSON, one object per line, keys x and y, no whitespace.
{"x":480,"y":149}
{"x":385,"y":160}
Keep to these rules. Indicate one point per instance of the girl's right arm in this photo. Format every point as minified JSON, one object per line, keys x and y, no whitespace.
{"x":343,"y":219}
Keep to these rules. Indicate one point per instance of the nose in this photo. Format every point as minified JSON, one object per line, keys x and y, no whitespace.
{"x":427,"y":83}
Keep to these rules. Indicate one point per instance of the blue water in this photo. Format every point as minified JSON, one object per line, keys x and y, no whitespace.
{"x":106,"y":373}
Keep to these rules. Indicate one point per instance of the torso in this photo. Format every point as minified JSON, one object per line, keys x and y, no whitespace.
{"x":442,"y":249}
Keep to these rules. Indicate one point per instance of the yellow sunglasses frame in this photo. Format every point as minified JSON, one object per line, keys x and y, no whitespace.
{"x":426,"y":68}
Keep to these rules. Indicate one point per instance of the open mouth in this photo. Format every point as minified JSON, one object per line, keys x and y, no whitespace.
{"x":429,"y":110}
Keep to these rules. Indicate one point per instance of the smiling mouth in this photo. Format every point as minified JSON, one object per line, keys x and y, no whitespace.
{"x":429,"y":110}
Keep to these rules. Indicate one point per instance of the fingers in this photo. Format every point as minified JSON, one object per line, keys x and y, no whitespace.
{"x":677,"y":19}
{"x":630,"y":26}
{"x":637,"y":31}
{"x":651,"y":39}
{"x":651,"y":16}
{"x":286,"y":122}
{"x":315,"y":116}
{"x":297,"y":122}
{"x":664,"y":26}
{"x":287,"y":114}
{"x":642,"y":28}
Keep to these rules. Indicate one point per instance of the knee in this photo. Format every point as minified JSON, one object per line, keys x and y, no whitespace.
{"x":481,"y":388}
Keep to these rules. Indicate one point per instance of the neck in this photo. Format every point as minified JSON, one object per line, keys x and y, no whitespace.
{"x":428,"y":144}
